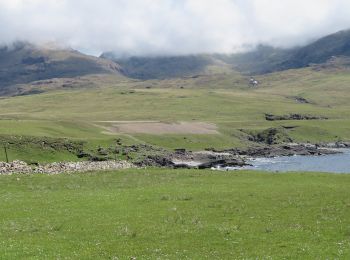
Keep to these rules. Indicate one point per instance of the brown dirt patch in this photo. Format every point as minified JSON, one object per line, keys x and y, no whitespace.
{"x":158,"y":128}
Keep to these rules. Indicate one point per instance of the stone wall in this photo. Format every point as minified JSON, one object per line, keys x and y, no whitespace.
{"x":63,"y":167}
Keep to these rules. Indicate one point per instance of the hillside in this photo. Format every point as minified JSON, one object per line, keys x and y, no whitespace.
{"x":193,"y":102}
{"x":163,"y":67}
{"x":337,"y":44}
{"x":266,"y":59}
{"x":22,"y":63}
{"x":196,"y":113}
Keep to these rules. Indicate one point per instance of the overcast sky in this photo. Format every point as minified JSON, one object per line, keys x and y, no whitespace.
{"x":153,"y":27}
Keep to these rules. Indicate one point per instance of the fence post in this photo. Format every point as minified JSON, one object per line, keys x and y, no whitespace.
{"x":7,"y":158}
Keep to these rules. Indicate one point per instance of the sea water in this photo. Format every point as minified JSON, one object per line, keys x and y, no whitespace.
{"x":334,"y":163}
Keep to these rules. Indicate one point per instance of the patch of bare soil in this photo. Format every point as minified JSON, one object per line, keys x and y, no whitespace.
{"x":158,"y":128}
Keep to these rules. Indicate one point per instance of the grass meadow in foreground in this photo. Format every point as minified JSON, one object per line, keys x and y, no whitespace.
{"x":175,"y":214}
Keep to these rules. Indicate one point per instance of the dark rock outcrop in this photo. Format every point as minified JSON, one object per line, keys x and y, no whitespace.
{"x":285,"y":150}
{"x":270,"y":136}
{"x":155,"y":161}
{"x":270,"y":117}
{"x":301,"y":100}
{"x":222,"y":163}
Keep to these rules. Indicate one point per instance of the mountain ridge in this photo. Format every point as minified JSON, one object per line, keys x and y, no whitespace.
{"x":264,"y":59}
{"x":23,"y":63}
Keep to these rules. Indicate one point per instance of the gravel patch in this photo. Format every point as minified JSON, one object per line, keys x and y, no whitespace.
{"x":159,"y":128}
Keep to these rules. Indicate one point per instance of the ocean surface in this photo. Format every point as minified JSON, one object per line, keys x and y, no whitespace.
{"x":335,"y":163}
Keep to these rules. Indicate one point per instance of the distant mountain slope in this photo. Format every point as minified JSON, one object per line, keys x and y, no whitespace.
{"x":267,"y":59}
{"x":264,"y":59}
{"x":337,"y":44}
{"x":24,"y":63}
{"x":163,"y":67}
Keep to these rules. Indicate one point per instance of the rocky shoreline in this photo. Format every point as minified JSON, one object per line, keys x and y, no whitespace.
{"x":180,"y":158}
{"x":212,"y":158}
{"x":289,"y":150}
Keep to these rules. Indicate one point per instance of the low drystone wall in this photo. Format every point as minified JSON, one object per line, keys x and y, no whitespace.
{"x":63,"y":167}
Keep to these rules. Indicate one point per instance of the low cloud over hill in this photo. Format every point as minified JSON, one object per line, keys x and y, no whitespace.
{"x":171,"y":27}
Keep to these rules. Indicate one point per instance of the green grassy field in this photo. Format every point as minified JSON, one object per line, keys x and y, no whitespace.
{"x":175,"y":214}
{"x":221,"y":97}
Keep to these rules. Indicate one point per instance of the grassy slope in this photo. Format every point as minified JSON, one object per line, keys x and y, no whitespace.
{"x":152,"y":214}
{"x":224,"y":99}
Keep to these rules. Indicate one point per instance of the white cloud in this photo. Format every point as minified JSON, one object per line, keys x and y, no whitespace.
{"x":148,"y":27}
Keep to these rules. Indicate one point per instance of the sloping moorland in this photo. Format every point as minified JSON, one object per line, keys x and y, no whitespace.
{"x":92,"y":114}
